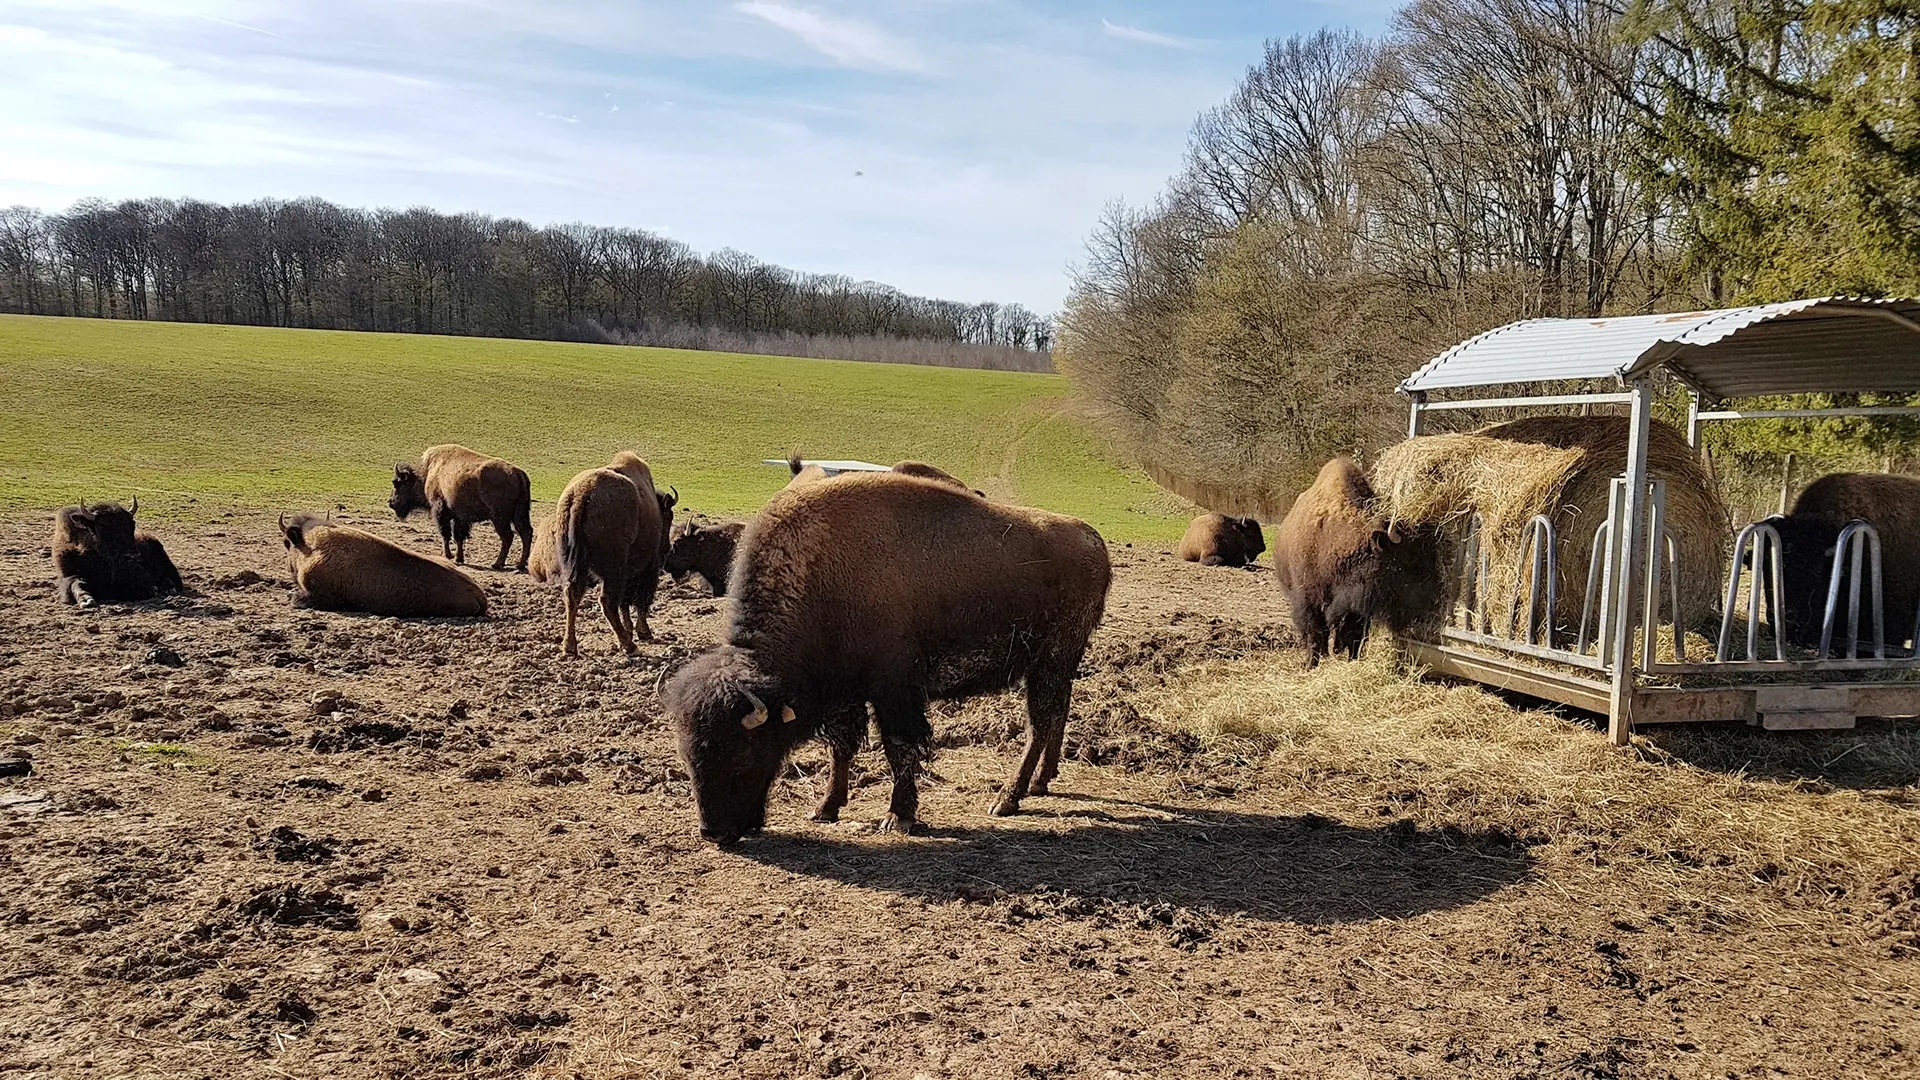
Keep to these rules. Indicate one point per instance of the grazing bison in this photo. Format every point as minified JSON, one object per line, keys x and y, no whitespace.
{"x":1891,"y":504}
{"x":704,"y":549}
{"x":336,"y":568}
{"x":1219,"y":540}
{"x":885,"y":590}
{"x":101,"y":559}
{"x":1340,"y":564}
{"x":458,"y":488}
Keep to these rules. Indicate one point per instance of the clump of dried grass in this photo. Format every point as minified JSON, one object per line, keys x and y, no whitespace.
{"x":1563,"y":467}
{"x":1364,"y":736}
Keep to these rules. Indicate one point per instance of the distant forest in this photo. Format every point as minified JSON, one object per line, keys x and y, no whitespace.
{"x":309,"y":263}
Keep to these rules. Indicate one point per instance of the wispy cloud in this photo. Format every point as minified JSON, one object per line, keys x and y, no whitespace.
{"x":1148,"y":37}
{"x":846,"y":41}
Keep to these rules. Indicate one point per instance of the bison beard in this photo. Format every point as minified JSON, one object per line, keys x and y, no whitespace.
{"x":951,"y":596}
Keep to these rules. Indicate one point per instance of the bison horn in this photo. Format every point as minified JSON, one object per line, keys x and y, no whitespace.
{"x":136,"y":505}
{"x":786,"y":714}
{"x":283,"y":521}
{"x":759,"y":714}
{"x":675,"y":500}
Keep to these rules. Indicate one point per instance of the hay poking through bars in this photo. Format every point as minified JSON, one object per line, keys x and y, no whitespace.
{"x":1560,"y":466}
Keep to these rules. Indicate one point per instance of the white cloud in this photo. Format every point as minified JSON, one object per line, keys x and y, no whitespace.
{"x":847,"y":41}
{"x":1147,"y":37}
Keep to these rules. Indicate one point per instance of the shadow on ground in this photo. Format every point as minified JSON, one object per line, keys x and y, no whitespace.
{"x":1305,"y":869}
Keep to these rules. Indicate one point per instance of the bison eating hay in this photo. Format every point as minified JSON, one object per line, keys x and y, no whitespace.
{"x":1562,"y":467}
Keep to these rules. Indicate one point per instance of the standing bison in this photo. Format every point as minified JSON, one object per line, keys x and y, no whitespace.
{"x":610,"y":526}
{"x":100,"y":558}
{"x":704,"y":549}
{"x":885,"y":590}
{"x":1891,"y":504}
{"x":1219,"y":540}
{"x":459,"y":488}
{"x":1340,"y":564}
{"x":335,"y":568}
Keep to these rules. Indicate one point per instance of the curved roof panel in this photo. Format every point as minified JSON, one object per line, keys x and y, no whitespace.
{"x":1826,"y":345}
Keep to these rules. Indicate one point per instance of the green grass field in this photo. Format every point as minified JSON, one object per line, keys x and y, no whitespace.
{"x":195,"y":419}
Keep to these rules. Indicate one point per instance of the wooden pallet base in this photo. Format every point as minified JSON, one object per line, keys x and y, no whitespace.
{"x":1795,"y":707}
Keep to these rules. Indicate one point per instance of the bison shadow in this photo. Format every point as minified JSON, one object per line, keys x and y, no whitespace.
{"x":1301,"y":869}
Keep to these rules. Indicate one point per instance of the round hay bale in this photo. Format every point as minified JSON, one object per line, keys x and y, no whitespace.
{"x":1561,"y":466}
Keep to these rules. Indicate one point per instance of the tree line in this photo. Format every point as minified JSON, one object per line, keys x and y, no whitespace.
{"x":1358,"y":204}
{"x":310,"y":263}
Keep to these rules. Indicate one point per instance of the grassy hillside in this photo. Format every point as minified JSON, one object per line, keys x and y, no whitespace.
{"x":194,"y":418}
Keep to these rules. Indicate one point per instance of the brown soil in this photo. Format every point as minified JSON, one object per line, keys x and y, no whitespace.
{"x":257,"y":840}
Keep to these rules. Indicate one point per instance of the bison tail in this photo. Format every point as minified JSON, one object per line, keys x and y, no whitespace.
{"x":570,"y":548}
{"x":794,"y":464}
{"x":523,"y":508}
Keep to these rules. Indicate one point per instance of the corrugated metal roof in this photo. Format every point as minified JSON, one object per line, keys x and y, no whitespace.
{"x":1832,"y":344}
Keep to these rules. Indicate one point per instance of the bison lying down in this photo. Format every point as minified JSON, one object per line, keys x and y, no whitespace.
{"x":459,"y":487}
{"x":704,"y":549}
{"x":1891,"y":504}
{"x":1340,"y":564}
{"x":101,"y":558}
{"x":1219,"y":540}
{"x":336,"y":568}
{"x":889,"y":590}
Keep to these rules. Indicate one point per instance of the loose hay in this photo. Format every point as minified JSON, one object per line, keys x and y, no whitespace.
{"x":1561,"y":466}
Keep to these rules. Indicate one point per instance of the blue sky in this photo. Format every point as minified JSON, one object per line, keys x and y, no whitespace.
{"x":955,"y":148}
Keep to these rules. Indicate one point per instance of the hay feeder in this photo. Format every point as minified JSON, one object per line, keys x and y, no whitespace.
{"x":1604,"y":630}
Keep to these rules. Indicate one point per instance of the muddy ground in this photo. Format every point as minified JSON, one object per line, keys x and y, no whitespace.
{"x":260,"y":841}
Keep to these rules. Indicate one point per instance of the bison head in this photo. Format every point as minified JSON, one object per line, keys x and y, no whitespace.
{"x":1806,"y":567}
{"x":682,"y":543}
{"x":103,"y":527}
{"x":1409,"y":590}
{"x":667,"y":503}
{"x":735,"y":729}
{"x":1251,"y":536}
{"x":409,"y":491}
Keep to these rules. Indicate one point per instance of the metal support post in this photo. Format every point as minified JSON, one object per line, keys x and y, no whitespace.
{"x":1414,"y":414}
{"x":1632,"y":548}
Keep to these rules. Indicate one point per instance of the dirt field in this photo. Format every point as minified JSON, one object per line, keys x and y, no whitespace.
{"x":259,"y":841}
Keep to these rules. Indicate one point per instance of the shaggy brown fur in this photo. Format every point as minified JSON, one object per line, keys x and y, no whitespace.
{"x":886,"y":590}
{"x":544,"y":563}
{"x":1219,"y":540}
{"x":336,"y":568}
{"x":1339,"y":564}
{"x":939,"y":476}
{"x":597,"y":531}
{"x":459,"y":488}
{"x":704,"y":549}
{"x":1891,"y":504}
{"x":99,"y":557}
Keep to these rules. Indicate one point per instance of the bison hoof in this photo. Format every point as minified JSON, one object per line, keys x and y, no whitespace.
{"x":570,"y":650}
{"x":1005,"y":806}
{"x":827,"y":815}
{"x":894,"y":823}
{"x":1039,"y":787}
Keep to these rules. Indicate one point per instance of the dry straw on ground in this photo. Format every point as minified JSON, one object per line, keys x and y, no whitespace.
{"x":1806,"y":813}
{"x":1561,"y":466}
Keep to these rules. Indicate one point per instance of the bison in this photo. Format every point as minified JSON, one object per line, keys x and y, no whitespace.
{"x":459,"y":487}
{"x":100,"y":558}
{"x":336,"y":568}
{"x":1219,"y":540}
{"x":703,"y":549}
{"x":609,"y":529}
{"x":1341,"y":565}
{"x":889,"y":591}
{"x":1891,"y":504}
